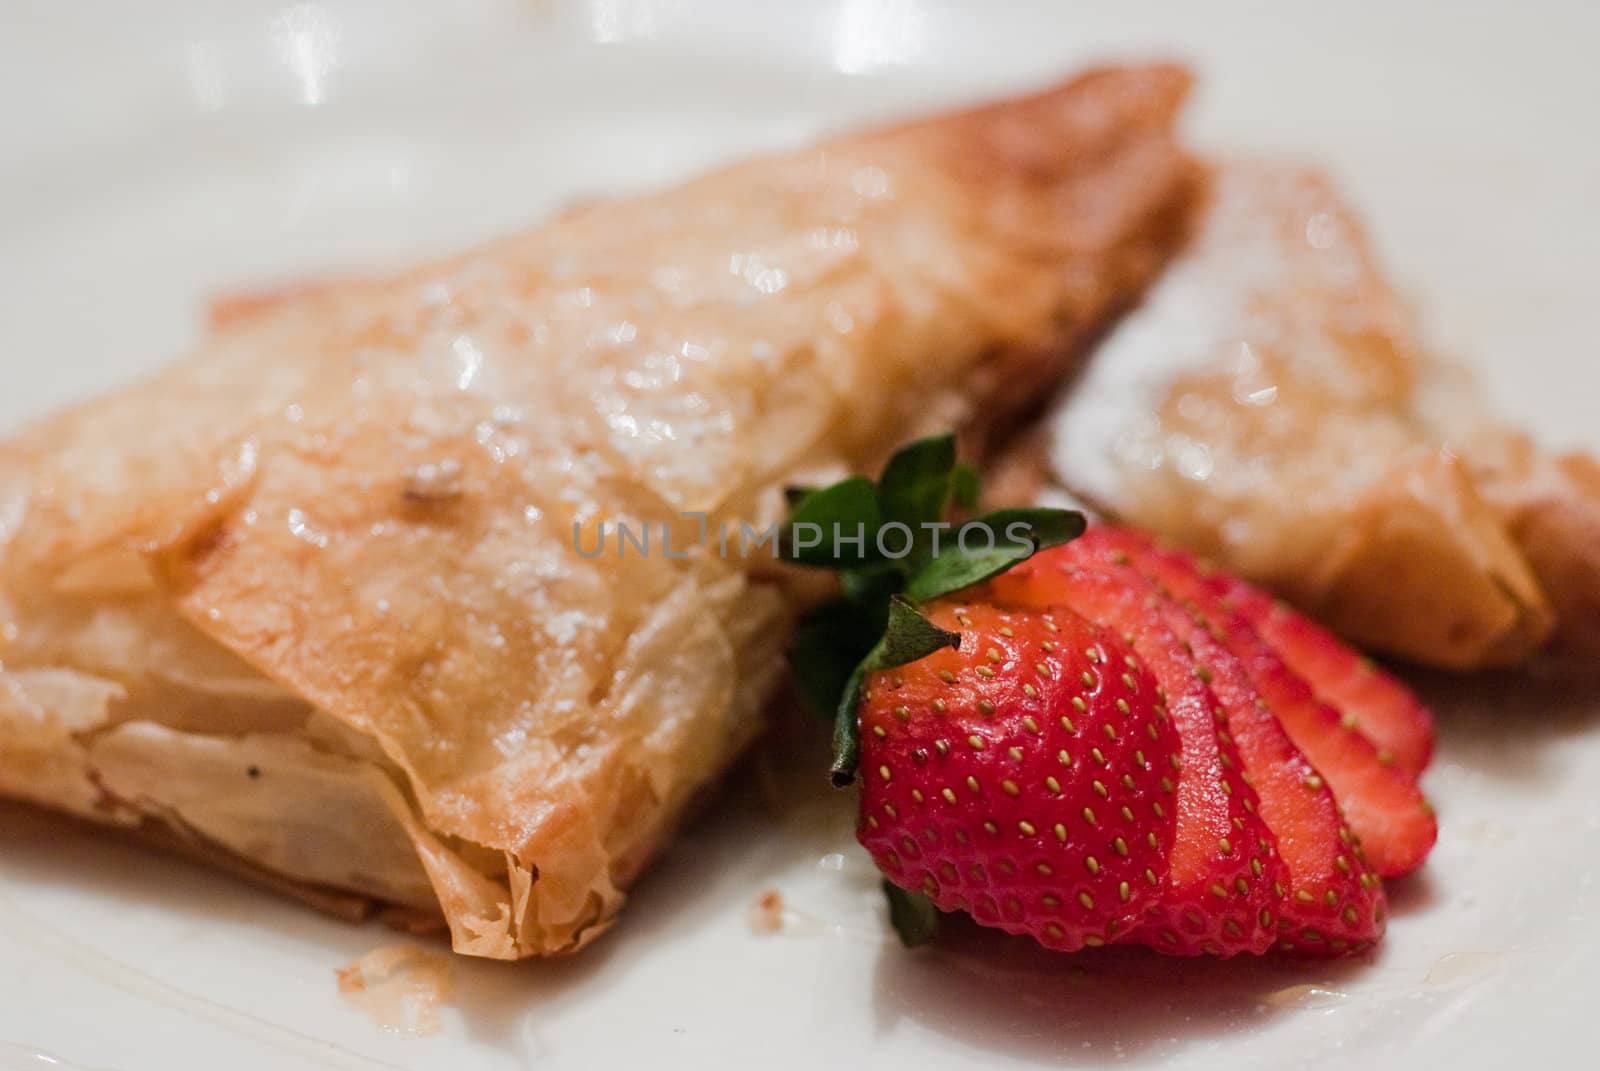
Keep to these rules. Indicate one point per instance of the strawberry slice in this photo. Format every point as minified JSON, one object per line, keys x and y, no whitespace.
{"x":1335,"y":904}
{"x":1384,"y":710}
{"x":1226,"y":884}
{"x":1382,"y":803}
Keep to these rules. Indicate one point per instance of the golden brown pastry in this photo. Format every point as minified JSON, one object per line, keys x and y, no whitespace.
{"x":311,"y":602}
{"x":1270,"y":404}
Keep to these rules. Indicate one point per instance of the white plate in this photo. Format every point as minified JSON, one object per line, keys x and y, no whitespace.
{"x":155,"y":154}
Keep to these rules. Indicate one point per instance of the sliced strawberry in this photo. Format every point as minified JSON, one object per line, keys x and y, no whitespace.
{"x":1383,"y":805}
{"x":1384,"y":710}
{"x":1022,"y":777}
{"x":1226,"y":884}
{"x":1334,"y":903}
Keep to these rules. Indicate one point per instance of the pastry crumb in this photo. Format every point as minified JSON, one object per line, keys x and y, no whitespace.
{"x":401,"y":987}
{"x":767,"y":913}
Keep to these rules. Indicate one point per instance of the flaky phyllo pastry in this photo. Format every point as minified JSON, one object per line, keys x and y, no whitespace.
{"x":1272,"y":405}
{"x":310,"y":604}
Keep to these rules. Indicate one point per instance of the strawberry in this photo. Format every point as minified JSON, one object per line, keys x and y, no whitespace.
{"x":1226,"y":884}
{"x":1023,"y":777}
{"x":1383,"y":804}
{"x":1335,"y":904}
{"x":1093,"y":744}
{"x":1374,"y":702}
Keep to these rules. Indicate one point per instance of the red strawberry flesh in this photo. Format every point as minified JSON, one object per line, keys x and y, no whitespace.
{"x":1226,"y":883}
{"x":1020,"y":777}
{"x":1383,"y":805}
{"x":1384,"y":710}
{"x":1334,"y":903}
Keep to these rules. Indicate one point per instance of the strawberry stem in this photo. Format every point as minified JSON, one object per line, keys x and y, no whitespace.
{"x":894,"y":544}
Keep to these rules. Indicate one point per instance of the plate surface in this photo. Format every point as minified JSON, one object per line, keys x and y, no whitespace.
{"x":159,"y":153}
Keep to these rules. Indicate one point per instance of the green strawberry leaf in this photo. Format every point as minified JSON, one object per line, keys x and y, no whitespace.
{"x":829,"y":644}
{"x":847,"y":729}
{"x":956,"y":570}
{"x":964,"y":486}
{"x":1045,"y":527}
{"x":912,"y":915}
{"x":848,"y":508}
{"x":873,"y":584}
{"x":908,"y":637}
{"x":915,"y":485}
{"x":1007,"y":537}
